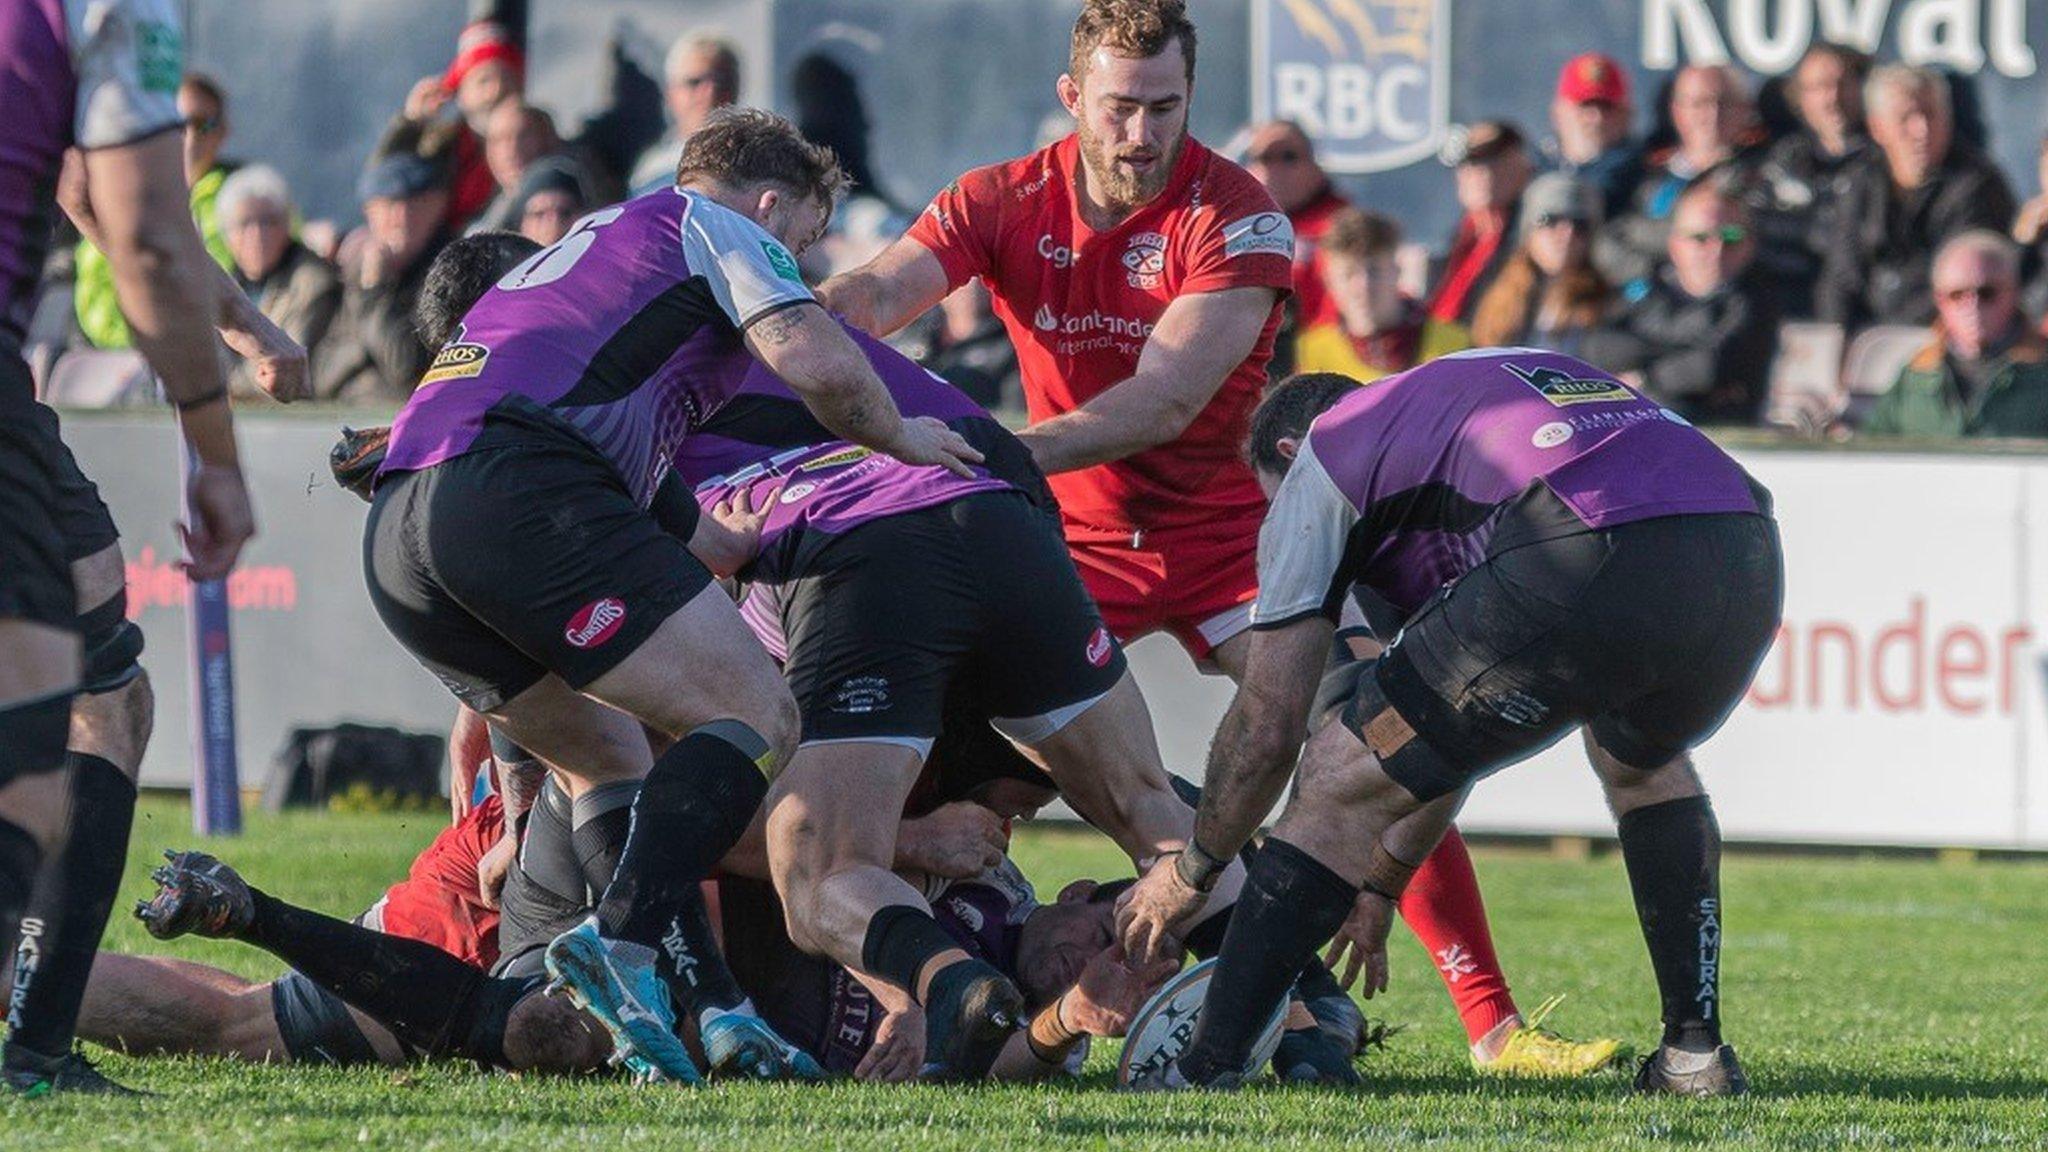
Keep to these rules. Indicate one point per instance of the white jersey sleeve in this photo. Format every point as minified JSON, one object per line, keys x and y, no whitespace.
{"x":749,"y":271}
{"x":1302,"y":545}
{"x":129,"y":56}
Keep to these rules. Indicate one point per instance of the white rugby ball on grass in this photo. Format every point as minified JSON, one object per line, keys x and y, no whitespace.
{"x":1163,"y":1028}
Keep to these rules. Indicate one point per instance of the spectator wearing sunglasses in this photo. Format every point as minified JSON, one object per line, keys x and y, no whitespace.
{"x":1375,"y":329}
{"x":1549,"y":295}
{"x":1715,"y":117}
{"x":1700,"y":341}
{"x":1985,"y":372}
{"x":1920,"y":187}
{"x":205,"y":111}
{"x":1280,"y":157}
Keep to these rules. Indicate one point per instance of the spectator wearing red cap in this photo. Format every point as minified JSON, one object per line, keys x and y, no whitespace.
{"x":1590,"y":115}
{"x":1279,"y":156}
{"x":489,"y":66}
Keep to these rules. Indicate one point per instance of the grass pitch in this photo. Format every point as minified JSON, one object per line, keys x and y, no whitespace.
{"x":1877,"y":1004}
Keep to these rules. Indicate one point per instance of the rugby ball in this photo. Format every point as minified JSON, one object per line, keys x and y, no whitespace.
{"x":1163,"y":1028}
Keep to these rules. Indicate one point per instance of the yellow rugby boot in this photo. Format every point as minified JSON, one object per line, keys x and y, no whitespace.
{"x":1525,"y":1048}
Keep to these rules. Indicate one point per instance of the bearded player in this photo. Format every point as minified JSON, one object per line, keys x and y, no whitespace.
{"x":1140,"y":276}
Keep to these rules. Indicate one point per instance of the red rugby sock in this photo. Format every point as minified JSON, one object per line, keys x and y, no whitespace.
{"x":1443,"y":907}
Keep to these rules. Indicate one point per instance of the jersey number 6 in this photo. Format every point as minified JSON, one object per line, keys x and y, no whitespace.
{"x":551,"y":264}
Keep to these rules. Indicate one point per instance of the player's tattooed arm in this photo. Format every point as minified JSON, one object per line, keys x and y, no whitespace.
{"x":822,"y":364}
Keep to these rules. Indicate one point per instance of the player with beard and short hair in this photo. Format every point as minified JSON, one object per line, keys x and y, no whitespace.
{"x":1569,"y":555}
{"x":1140,"y":276}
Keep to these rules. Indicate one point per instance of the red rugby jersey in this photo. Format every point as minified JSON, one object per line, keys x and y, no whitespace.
{"x":1079,"y":305}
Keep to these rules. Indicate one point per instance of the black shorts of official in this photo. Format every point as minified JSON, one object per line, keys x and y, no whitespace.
{"x":506,"y":564}
{"x":1647,"y":633}
{"x":50,"y":513}
{"x":884,"y":619}
{"x":316,"y":1025}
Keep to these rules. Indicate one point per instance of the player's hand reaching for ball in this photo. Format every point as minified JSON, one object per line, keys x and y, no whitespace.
{"x":1110,"y":991}
{"x":927,"y":440}
{"x":1362,"y":944}
{"x":1150,"y":918}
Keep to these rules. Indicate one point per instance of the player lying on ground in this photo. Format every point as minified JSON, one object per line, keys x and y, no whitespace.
{"x":1587,"y":560}
{"x":518,"y":544}
{"x":414,"y":968}
{"x":1139,"y":275}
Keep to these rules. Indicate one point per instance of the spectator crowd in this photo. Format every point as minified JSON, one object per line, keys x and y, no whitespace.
{"x":1845,"y":202}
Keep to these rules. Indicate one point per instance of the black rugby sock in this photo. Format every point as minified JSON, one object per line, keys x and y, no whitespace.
{"x":20,"y":859}
{"x":1291,"y":904}
{"x":73,"y":899}
{"x":430,"y":1000}
{"x":1673,"y":853}
{"x":900,"y":941}
{"x":693,"y":807}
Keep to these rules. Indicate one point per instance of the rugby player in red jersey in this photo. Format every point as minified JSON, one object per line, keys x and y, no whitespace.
{"x":1140,"y":276}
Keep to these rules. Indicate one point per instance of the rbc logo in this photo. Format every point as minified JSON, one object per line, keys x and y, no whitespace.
{"x":1368,"y":80}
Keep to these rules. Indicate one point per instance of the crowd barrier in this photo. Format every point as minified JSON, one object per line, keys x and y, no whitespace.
{"x":1905,"y":703}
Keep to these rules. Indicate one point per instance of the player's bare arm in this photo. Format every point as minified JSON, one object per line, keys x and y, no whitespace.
{"x":1200,"y":339}
{"x":815,"y":357}
{"x":162,"y":276}
{"x":279,"y":363}
{"x":900,"y":284}
{"x":1249,"y":762}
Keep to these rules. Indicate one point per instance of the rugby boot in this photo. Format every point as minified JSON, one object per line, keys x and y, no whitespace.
{"x":196,"y":895}
{"x":739,"y":1043}
{"x":971,"y":1013}
{"x":29,"y":1075}
{"x":1675,"y":1072}
{"x":615,"y":981}
{"x":1310,"y":1056}
{"x":1531,"y":1051}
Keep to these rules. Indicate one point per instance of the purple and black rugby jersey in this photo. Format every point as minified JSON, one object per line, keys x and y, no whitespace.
{"x":628,"y":331}
{"x":1399,"y":486}
{"x":764,"y":441}
{"x":90,"y":73}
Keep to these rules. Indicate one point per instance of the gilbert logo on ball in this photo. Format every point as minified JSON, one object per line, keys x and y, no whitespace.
{"x":1163,"y":1028}
{"x":597,"y":622}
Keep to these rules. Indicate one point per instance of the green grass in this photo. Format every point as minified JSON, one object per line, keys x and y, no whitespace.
{"x":1877,"y":1003}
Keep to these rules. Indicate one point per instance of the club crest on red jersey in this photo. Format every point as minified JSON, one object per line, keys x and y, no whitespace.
{"x":1145,"y":260}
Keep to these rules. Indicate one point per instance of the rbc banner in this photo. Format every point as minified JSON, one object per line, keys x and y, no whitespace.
{"x":1368,"y":80}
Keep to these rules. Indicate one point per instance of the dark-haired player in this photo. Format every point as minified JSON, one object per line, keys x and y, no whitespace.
{"x":512,"y":549}
{"x":1583,"y":558}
